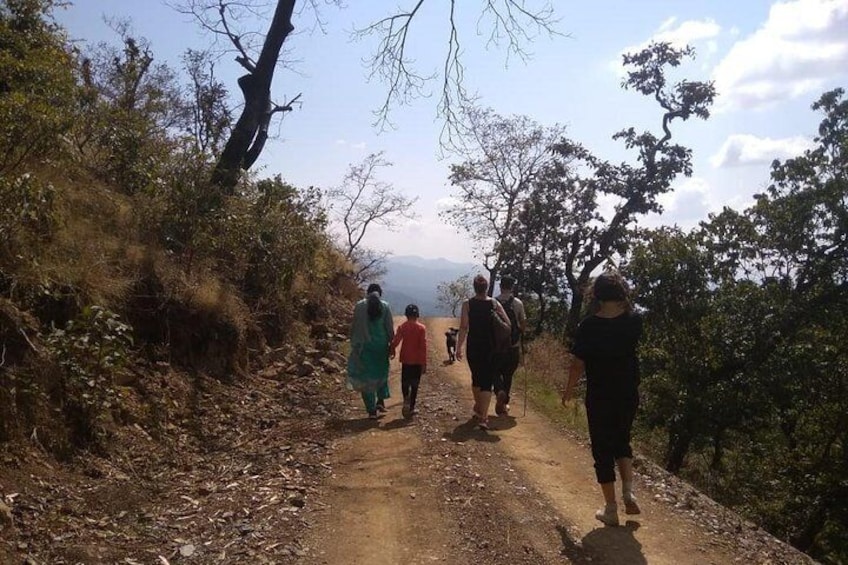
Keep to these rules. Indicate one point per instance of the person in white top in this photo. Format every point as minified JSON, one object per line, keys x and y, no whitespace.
{"x":506,"y":363}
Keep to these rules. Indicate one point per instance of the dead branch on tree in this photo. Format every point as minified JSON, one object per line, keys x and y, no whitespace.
{"x":511,"y":24}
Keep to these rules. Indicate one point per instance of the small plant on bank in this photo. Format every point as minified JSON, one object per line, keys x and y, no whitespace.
{"x":91,"y":350}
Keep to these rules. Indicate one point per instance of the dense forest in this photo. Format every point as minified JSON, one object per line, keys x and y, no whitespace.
{"x":128,"y":236}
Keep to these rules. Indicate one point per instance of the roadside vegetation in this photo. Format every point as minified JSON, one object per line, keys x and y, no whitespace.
{"x":132,"y":239}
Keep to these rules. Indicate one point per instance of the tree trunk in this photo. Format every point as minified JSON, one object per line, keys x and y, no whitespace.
{"x":679,"y":441}
{"x":578,"y":295}
{"x":543,"y":313}
{"x":250,"y":132}
{"x":493,"y":273}
{"x":574,"y":311}
{"x":717,"y":462}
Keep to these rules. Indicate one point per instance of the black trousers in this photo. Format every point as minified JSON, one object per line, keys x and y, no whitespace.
{"x":506,"y":363}
{"x":610,"y":423}
{"x":410,"y":378}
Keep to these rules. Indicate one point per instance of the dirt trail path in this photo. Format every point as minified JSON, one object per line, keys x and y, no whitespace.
{"x":438,"y":490}
{"x":380,"y":508}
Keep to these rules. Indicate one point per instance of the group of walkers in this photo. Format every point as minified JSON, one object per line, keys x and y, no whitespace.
{"x":603,"y":349}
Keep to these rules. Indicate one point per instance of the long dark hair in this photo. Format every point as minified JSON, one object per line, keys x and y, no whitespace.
{"x":375,"y":305}
{"x":611,"y":286}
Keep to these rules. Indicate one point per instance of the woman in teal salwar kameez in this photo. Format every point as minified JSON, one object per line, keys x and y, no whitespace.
{"x":370,"y":335}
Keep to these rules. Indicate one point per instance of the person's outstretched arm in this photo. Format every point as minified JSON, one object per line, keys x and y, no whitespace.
{"x":389,"y":321}
{"x":395,"y":341}
{"x":463,"y":330}
{"x":575,"y":371}
{"x":424,"y":349}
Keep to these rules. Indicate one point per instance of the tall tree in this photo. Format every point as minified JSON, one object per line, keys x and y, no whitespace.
{"x":636,"y":187}
{"x":501,"y":159}
{"x":747,"y":357}
{"x":534,"y":249}
{"x":250,"y":133}
{"x":132,"y":107}
{"x":512,"y":22}
{"x":210,"y":116}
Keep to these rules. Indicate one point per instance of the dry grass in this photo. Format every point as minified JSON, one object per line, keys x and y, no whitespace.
{"x":546,"y":367}
{"x":88,"y":250}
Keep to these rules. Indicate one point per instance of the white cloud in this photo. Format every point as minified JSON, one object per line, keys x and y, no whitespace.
{"x":446,"y":203}
{"x":687,"y":204}
{"x":358,"y":146}
{"x":743,"y":149}
{"x":687,"y":32}
{"x":801,"y":45}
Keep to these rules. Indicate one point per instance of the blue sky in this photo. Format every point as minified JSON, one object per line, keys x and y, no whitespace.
{"x":770,"y":61}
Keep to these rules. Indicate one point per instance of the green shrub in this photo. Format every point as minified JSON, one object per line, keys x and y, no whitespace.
{"x":91,"y":350}
{"x":28,"y":207}
{"x":37,"y":86}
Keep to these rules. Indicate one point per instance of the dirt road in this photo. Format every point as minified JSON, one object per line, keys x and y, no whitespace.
{"x":436,"y":490}
{"x":277,"y":468}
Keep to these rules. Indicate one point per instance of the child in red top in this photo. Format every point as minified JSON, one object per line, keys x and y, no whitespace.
{"x":413,"y":357}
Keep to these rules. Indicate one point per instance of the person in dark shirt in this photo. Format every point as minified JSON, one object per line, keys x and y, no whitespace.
{"x":604,"y":349}
{"x":476,"y":325}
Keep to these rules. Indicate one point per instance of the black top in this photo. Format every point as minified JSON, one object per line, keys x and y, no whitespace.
{"x":480,"y":325}
{"x":608,"y":347}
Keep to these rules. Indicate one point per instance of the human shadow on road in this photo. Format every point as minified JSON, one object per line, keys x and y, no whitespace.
{"x":571,"y":548}
{"x":605,"y":544}
{"x":397,"y":423}
{"x":469,"y":431}
{"x":355,"y":426}
{"x":502,"y":423}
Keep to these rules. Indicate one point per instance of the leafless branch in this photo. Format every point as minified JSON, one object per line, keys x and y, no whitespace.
{"x":314,"y":6}
{"x":390,"y":63}
{"x":287,"y":107}
{"x":222,"y":18}
{"x":512,"y":23}
{"x":515,"y":25}
{"x":26,"y":338}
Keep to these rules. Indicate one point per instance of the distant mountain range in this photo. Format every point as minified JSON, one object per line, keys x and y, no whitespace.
{"x":413,"y":280}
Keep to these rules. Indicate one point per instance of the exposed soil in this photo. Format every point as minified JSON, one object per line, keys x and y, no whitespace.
{"x":280,"y":469}
{"x":435,"y":489}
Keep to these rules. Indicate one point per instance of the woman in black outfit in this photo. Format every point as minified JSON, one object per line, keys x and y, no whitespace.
{"x":476,"y":325}
{"x":605,"y":349}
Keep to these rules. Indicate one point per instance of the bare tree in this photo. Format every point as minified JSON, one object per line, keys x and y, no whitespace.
{"x":450,"y":294}
{"x":502,"y":157}
{"x":510,"y":22}
{"x":363,"y":201}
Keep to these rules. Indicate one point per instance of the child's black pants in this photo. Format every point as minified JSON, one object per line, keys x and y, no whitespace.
{"x":410,"y":377}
